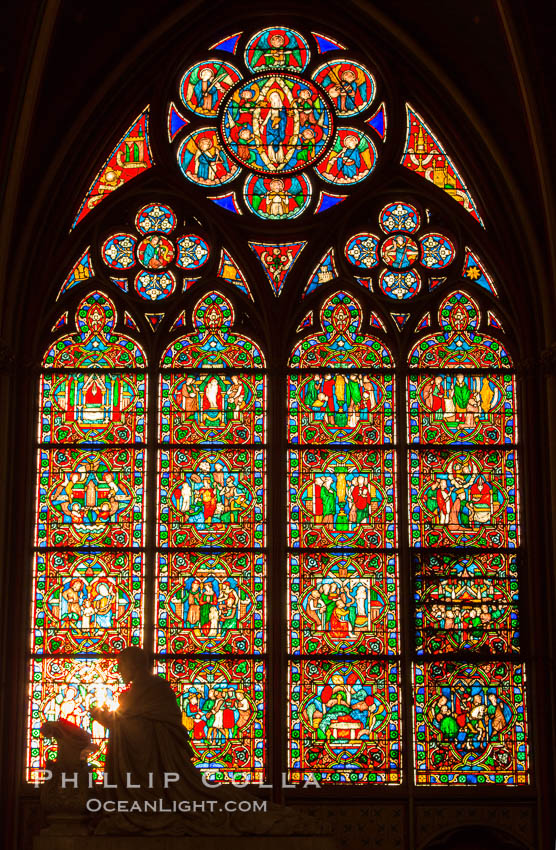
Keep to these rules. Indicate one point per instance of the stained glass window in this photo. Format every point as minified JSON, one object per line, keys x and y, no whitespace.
{"x":211,"y":570}
{"x":470,"y":722}
{"x":344,"y":685}
{"x":279,"y":120}
{"x":90,"y":530}
{"x":397,"y":433}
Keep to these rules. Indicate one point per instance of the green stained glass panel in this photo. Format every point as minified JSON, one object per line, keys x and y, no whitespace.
{"x":213,"y":345}
{"x":212,"y":499}
{"x":470,"y":724}
{"x":92,"y":407}
{"x":90,"y":498}
{"x":462,"y":407}
{"x":344,"y":722}
{"x":222,"y":704}
{"x":341,"y":407}
{"x":340,"y":345}
{"x":211,"y":602}
{"x":95,"y":345}
{"x":87,"y":602}
{"x":341,"y":499}
{"x":459,"y":345}
{"x":463,"y":498}
{"x":343,"y":602}
{"x":212,"y":408}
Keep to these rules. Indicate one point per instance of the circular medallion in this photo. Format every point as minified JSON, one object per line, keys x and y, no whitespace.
{"x":361,"y":250}
{"x":277,"y":198}
{"x":277,"y":47}
{"x":117,"y":251}
{"x":155,"y":251}
{"x":437,"y":249}
{"x":154,"y":286}
{"x":351,"y":158}
{"x":204,"y":86}
{"x":193,"y":252}
{"x":399,"y":216}
{"x":202,"y":159}
{"x":276,"y":124}
{"x":154,"y":218}
{"x":400,"y":285}
{"x":399,"y":252}
{"x":349,"y":85}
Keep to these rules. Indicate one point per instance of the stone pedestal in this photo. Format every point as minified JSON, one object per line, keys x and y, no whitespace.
{"x":163,"y":842}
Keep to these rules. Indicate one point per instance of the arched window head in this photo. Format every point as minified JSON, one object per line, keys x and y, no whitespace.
{"x":283,"y":454}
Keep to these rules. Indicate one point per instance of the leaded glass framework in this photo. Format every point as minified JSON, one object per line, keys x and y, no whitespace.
{"x":464,"y":502}
{"x":344,"y":690}
{"x":212,"y":539}
{"x":90,"y":531}
{"x":325,"y":526}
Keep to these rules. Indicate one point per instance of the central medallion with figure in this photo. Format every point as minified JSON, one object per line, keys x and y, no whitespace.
{"x":279,"y":122}
{"x":276,"y":124}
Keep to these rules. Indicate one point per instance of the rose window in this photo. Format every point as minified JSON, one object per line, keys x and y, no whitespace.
{"x":400,"y":252}
{"x":153,"y":256}
{"x":274,"y":123}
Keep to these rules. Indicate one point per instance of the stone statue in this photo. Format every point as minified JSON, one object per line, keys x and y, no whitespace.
{"x":73,"y":744}
{"x":148,"y":743}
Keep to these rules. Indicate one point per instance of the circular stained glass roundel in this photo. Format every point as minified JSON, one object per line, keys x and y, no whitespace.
{"x":276,"y":124}
{"x":155,"y":251}
{"x":349,"y":85}
{"x":401,"y":285}
{"x":437,"y":249}
{"x":277,"y":47}
{"x":399,"y":216}
{"x":361,"y":250}
{"x":351,"y":158}
{"x":193,"y":252}
{"x":155,"y":218}
{"x":154,"y":286}
{"x":204,"y":86}
{"x":118,"y":251}
{"x":399,"y":252}
{"x":277,"y":198}
{"x":202,"y":159}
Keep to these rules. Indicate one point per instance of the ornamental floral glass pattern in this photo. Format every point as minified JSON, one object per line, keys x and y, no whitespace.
{"x":469,"y":717}
{"x":210,"y":586}
{"x":343,"y":574}
{"x":88,"y":564}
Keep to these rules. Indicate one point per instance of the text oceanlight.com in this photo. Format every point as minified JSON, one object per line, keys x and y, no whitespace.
{"x":198,"y":806}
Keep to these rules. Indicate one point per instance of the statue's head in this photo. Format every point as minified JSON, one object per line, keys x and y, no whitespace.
{"x":131,"y":661}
